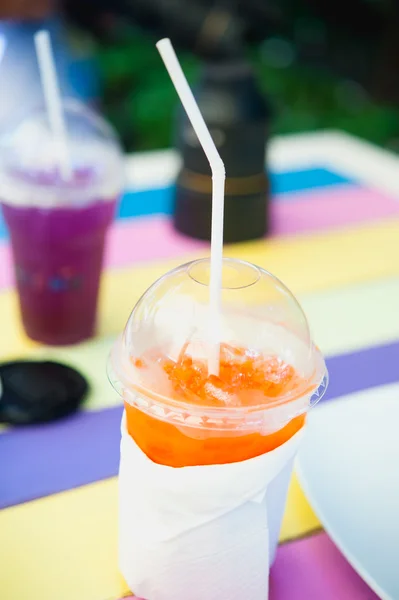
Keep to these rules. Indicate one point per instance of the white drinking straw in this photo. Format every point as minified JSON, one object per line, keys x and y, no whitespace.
{"x":179,"y":80}
{"x":52,"y":95}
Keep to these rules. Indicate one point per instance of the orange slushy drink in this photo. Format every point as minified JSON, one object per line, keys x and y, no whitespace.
{"x":246,"y":379}
{"x":206,"y":459}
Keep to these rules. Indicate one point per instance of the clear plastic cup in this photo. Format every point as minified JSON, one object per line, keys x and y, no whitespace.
{"x":258,"y":314}
{"x":58,"y":228}
{"x":271,"y":374}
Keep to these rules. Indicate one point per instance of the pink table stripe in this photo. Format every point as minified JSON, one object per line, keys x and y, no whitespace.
{"x":147,"y":238}
{"x":312,"y":569}
{"x":6,"y":275}
{"x":321,"y":210}
{"x":152,"y":238}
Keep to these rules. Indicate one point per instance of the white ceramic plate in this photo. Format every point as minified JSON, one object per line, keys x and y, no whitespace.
{"x":348,"y":466}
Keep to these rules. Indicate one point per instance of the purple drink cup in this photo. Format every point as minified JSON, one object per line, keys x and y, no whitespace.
{"x":58,"y":228}
{"x":58,"y":274}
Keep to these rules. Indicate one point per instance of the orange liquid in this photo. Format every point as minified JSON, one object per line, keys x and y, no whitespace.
{"x":243,"y":380}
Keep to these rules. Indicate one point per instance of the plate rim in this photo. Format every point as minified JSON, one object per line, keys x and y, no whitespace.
{"x":315,"y":505}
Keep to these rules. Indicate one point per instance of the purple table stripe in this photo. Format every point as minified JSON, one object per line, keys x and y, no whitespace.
{"x":361,"y":370}
{"x":42,"y":460}
{"x":317,"y":571}
{"x":312,"y":569}
{"x":39,"y":461}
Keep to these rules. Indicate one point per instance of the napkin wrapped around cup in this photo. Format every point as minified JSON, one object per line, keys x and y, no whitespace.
{"x":196,"y":533}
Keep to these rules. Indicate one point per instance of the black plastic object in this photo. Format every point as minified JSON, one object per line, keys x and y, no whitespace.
{"x":39,"y":392}
{"x":238,"y":117}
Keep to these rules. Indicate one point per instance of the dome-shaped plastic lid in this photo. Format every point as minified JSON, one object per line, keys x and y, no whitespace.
{"x":267,"y":357}
{"x":29,"y":160}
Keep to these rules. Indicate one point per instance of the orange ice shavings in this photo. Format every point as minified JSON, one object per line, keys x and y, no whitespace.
{"x":245,"y":378}
{"x":138,"y":362}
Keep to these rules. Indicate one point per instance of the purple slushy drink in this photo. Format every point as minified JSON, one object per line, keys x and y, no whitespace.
{"x":58,"y":274}
{"x":58,"y":228}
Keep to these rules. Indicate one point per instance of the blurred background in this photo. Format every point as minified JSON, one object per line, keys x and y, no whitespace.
{"x":320,"y":64}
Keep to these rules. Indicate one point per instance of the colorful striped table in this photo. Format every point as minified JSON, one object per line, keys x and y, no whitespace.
{"x":335,"y":243}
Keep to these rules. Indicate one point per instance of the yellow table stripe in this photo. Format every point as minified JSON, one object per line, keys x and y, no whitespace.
{"x":305,"y":264}
{"x":364,"y":315}
{"x":64,"y":547}
{"x":299,"y":518}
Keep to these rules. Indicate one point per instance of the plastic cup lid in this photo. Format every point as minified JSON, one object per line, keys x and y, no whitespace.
{"x":29,"y":169}
{"x":259,"y":314}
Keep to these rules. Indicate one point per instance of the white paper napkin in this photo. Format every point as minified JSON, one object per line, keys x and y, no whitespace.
{"x":196,"y":533}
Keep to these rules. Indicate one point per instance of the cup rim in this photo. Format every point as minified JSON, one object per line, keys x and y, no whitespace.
{"x":161,"y":407}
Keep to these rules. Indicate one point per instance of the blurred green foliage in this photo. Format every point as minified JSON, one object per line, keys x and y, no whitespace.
{"x":140,"y":101}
